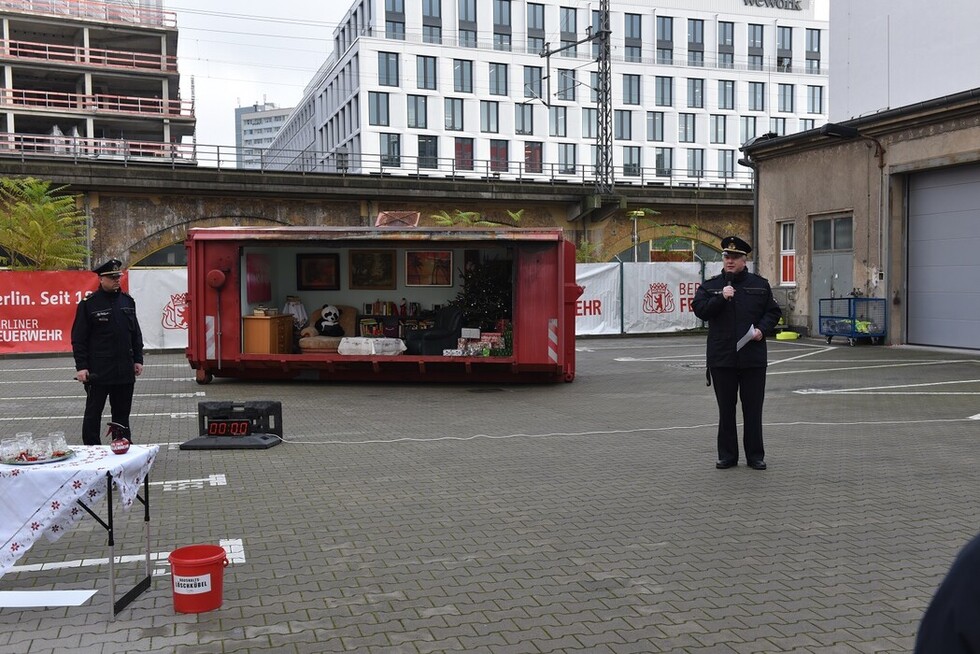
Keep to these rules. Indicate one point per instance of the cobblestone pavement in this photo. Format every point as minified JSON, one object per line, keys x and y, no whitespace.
{"x":583,"y":517}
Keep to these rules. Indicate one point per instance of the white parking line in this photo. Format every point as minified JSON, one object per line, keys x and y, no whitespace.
{"x":880,"y":390}
{"x":175,"y":396}
{"x":233,"y":546}
{"x":191,"y":484}
{"x":173,"y":416}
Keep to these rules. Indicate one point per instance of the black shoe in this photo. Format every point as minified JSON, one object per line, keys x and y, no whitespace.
{"x":757,"y":465}
{"x":721,"y":465}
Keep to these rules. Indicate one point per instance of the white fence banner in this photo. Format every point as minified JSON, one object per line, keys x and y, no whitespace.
{"x":161,"y":303}
{"x":597,"y":311}
{"x":657,"y":297}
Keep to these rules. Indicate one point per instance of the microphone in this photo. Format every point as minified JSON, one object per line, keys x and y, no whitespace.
{"x":729,"y":277}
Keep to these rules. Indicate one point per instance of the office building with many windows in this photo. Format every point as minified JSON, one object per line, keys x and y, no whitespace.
{"x":255,"y":128}
{"x":462,"y":87}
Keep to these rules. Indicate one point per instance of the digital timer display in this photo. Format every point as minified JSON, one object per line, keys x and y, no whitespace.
{"x":229,"y":427}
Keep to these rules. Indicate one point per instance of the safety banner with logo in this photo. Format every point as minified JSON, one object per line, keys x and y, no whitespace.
{"x":161,"y":306}
{"x":597,"y":310}
{"x":655,"y":297}
{"x":37,"y":309}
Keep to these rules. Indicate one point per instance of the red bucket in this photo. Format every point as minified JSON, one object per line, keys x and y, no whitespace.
{"x":198,"y":573}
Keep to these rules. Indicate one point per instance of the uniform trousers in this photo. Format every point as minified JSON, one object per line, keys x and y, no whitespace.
{"x":749,"y":385}
{"x":120,"y":401}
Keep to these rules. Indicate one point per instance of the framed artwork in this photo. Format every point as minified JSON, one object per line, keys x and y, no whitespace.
{"x":429,"y":268}
{"x":371,"y":270}
{"x":258,"y":279}
{"x":318,"y":272}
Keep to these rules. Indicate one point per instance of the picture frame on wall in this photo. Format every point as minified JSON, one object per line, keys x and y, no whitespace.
{"x":318,"y":272}
{"x":371,"y":270}
{"x":429,"y":268}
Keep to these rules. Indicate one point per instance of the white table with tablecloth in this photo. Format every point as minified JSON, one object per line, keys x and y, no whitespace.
{"x":49,"y":499}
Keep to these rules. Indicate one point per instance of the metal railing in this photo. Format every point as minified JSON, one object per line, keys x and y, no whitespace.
{"x":96,"y":102}
{"x":29,"y":146}
{"x":125,"y":14}
{"x":87,"y":57}
{"x":224,"y":157}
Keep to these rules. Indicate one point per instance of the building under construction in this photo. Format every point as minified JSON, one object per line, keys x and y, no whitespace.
{"x":96,"y":78}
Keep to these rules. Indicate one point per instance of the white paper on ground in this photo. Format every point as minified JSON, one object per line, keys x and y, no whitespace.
{"x":745,"y":339}
{"x":20,"y":599}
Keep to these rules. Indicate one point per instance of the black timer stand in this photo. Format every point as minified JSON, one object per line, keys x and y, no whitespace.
{"x":237,"y":426}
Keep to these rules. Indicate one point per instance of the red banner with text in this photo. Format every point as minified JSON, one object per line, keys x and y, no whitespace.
{"x":37,"y":309}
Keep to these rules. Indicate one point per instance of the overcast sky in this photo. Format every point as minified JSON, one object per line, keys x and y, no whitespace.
{"x":245,"y":51}
{"x":239,"y":52}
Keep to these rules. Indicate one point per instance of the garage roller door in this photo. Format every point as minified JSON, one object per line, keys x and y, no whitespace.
{"x":944,"y":258}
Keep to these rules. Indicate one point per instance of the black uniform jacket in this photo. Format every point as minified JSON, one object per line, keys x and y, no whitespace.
{"x":729,"y":320}
{"x":106,"y":338}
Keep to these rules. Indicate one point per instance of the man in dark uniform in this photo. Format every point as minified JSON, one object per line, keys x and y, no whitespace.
{"x":740,"y":309}
{"x":951,"y":624}
{"x":108,"y":347}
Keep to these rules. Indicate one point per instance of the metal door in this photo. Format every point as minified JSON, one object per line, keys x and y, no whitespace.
{"x":943,"y":269}
{"x":831,"y":262}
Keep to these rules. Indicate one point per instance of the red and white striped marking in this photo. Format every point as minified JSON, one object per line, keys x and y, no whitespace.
{"x":209,"y":350}
{"x":553,"y":340}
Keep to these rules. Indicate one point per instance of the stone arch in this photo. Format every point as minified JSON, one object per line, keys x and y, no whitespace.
{"x":623,"y":241}
{"x":177,"y":233}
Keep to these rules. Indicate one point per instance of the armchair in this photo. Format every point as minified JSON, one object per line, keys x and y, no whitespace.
{"x":444,"y":334}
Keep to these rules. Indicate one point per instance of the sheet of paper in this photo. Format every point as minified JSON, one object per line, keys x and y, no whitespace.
{"x":43,"y":598}
{"x":745,"y":339}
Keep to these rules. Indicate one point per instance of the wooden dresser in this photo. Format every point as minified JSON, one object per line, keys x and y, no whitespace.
{"x":267,"y":334}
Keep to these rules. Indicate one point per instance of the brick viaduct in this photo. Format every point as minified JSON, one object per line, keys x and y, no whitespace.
{"x":136,"y":210}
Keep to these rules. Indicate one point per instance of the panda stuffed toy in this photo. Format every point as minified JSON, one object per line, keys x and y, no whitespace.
{"x":329,"y":322}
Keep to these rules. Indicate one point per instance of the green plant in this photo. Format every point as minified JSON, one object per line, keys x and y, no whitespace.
{"x":40,"y":227}
{"x":459,"y":218}
{"x":587,"y":252}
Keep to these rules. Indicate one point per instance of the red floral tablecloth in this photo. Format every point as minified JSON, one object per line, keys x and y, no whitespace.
{"x":38,"y":500}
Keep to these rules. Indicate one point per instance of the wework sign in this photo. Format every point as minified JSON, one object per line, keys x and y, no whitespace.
{"x":789,"y":5}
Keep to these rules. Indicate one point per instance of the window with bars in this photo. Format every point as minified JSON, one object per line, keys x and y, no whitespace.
{"x":464,"y":153}
{"x":533,"y":156}
{"x":499,"y":155}
{"x":566,"y":158}
{"x":428,"y":151}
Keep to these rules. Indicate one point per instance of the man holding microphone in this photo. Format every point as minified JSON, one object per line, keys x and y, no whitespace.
{"x":739,"y":309}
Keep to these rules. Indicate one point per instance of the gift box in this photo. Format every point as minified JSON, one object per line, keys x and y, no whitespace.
{"x":494,"y":339}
